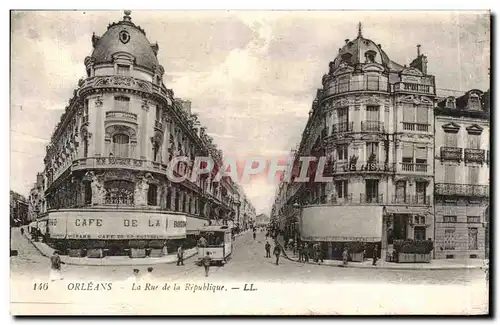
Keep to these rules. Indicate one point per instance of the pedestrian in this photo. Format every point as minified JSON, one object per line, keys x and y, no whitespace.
{"x":320,"y":254}
{"x":202,"y":242}
{"x":345,"y":256}
{"x":301,"y":253}
{"x":375,"y":255}
{"x":55,"y":267}
{"x":277,"y":252}
{"x":206,"y":263}
{"x":295,"y":247}
{"x":268,"y":250}
{"x":22,"y":231}
{"x":180,"y":256}
{"x":254,"y":235}
{"x":305,"y":253}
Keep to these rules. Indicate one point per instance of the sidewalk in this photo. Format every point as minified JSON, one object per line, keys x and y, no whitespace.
{"x":441,"y":264}
{"x":47,"y":251}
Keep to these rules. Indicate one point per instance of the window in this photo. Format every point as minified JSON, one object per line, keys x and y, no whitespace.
{"x":372,"y":82}
{"x":473,"y":175}
{"x":86,"y":108}
{"x":450,"y":102}
{"x":85,"y":147}
{"x":401,"y":192}
{"x":343,"y":84}
{"x":371,"y":190}
{"x":473,"y":219}
{"x":152,"y":194}
{"x":408,"y":114}
{"x":407,"y":153}
{"x":419,"y":233}
{"x":370,"y":56}
{"x":342,"y":152}
{"x":421,"y":155}
{"x":450,"y":139}
{"x":341,"y":188}
{"x":158,"y":113}
{"x":422,"y":114}
{"x":449,"y":218}
{"x":88,"y":73}
{"x":121,"y":145}
{"x":449,"y":238}
{"x":449,"y":173}
{"x":473,"y":238}
{"x":421,"y":189}
{"x":372,"y":151}
{"x":156,"y":151}
{"x":122,"y":103}
{"x":346,"y":57}
{"x":372,"y":113}
{"x":474,"y":141}
{"x":88,"y":193}
{"x":343,"y":115}
{"x":122,"y":70}
{"x":474,"y":102}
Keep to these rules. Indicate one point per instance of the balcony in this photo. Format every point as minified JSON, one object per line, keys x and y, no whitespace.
{"x":414,"y":87}
{"x":118,"y":163}
{"x":372,"y":126}
{"x":468,"y":190}
{"x":420,"y":127}
{"x":356,"y":86}
{"x":475,"y":155}
{"x":343,"y":127}
{"x":451,"y":153}
{"x":418,"y":199}
{"x":414,"y":167}
{"x":121,"y":116}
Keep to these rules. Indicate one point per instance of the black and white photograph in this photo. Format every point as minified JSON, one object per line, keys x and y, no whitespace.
{"x":238,"y":162}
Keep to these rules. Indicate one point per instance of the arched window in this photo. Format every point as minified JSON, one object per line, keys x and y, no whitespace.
{"x":370,"y":56}
{"x":152,"y":191}
{"x":121,"y":145}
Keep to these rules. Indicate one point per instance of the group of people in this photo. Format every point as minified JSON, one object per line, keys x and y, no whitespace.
{"x":307,"y":251}
{"x":276,"y":251}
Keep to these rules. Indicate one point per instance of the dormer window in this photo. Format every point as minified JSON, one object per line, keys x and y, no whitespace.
{"x":123,"y":70}
{"x":370,"y":56}
{"x":347,"y":57}
{"x":450,"y":102}
{"x":474,"y":102}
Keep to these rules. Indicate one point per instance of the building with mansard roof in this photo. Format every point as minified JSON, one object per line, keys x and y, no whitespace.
{"x":373,"y":121}
{"x":462,"y":167}
{"x":105,"y":178}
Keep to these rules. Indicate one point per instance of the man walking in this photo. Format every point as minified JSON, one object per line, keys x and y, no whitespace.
{"x":55,"y":267}
{"x":268,"y":250}
{"x":206,"y":263}
{"x":180,"y":256}
{"x":277,"y":252}
{"x":375,"y":255}
{"x":345,"y":256}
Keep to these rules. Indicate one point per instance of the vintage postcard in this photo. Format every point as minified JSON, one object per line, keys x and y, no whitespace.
{"x":250,"y":163}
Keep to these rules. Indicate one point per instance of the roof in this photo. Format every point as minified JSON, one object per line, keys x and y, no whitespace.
{"x":125,"y":36}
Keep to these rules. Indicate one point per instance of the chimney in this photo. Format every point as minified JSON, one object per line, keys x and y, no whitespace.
{"x":418,"y":50}
{"x":346,"y":40}
{"x":420,"y":62}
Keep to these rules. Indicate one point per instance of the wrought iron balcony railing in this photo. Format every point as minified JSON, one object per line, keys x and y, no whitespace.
{"x":372,"y":126}
{"x":355,"y":86}
{"x":414,"y":87}
{"x":451,"y":153}
{"x":371,"y":198}
{"x":475,"y":155}
{"x":343,"y":127}
{"x":411,"y":199}
{"x":414,"y":167}
{"x":467,"y":190}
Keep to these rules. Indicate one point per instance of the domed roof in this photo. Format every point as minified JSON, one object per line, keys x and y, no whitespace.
{"x":363,"y":50}
{"x":125,"y":36}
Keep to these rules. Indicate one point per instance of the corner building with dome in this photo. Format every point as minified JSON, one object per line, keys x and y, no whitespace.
{"x":373,"y":121}
{"x":106,"y":186}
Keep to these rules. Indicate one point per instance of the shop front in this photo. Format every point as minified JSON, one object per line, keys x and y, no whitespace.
{"x":337,"y":227}
{"x":112,"y":232}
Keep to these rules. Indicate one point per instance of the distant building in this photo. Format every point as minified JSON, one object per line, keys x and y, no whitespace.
{"x":262,"y":219}
{"x":36,"y":199}
{"x":18,"y":210}
{"x":462,"y":164}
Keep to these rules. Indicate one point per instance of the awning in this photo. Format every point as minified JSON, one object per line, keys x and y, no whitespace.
{"x":341,"y":223}
{"x":192,"y":232}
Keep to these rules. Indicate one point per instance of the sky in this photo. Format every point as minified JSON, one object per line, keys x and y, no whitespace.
{"x":251,"y":76}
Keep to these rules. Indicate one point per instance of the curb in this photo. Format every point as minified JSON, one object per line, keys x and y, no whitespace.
{"x":385,"y":267}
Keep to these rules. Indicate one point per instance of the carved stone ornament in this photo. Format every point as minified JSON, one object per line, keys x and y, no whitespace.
{"x":98,"y":101}
{"x":145,"y":104}
{"x":141,"y":192}
{"x":122,"y":81}
{"x":372,"y":100}
{"x":341,"y":102}
{"x":98,"y":190}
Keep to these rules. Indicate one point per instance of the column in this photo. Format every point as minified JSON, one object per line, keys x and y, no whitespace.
{"x":98,"y":127}
{"x":143,"y":134}
{"x":383,"y":244}
{"x":173,"y":191}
